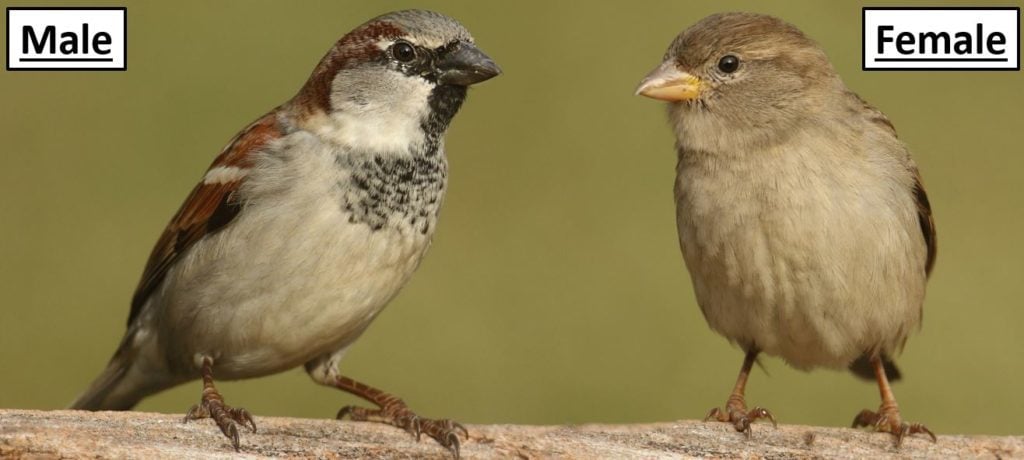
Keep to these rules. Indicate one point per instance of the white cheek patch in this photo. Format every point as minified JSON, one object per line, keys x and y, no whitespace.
{"x":390,"y":119}
{"x":224,"y":175}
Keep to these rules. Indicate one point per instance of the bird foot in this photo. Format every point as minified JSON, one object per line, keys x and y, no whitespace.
{"x":444,"y":431}
{"x":736,"y":413}
{"x":888,"y":420}
{"x":227,"y":417}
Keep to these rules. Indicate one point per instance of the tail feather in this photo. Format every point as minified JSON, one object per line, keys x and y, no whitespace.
{"x":97,"y":396}
{"x":124,"y":382}
{"x":862,"y":368}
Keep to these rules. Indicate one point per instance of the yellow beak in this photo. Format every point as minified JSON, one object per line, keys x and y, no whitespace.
{"x":668,"y":83}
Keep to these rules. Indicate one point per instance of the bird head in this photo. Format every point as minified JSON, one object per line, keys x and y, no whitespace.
{"x":741,"y":72}
{"x":401,"y":66}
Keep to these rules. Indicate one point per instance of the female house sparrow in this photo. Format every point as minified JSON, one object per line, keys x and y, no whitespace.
{"x":304,"y":227}
{"x":801,"y":216}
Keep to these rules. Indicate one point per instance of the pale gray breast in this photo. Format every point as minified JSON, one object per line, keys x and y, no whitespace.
{"x":797,"y":238}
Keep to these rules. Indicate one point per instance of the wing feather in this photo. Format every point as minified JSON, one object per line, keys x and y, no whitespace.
{"x":927,"y":222}
{"x":211,"y":206}
{"x":924,"y":208}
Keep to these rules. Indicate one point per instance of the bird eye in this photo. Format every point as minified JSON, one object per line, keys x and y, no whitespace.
{"x":728,"y":63}
{"x":403,"y":51}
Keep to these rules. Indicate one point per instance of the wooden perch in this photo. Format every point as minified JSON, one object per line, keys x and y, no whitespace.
{"x":74,"y":434}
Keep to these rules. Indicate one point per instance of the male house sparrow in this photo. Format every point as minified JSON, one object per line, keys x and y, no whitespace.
{"x":801,"y":216}
{"x":303,"y":228}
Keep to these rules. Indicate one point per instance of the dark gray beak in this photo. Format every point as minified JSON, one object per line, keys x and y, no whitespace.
{"x":465,"y":65}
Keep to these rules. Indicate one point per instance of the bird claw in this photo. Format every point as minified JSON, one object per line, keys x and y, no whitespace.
{"x":444,"y":431}
{"x":226,"y":417}
{"x":760,"y":412}
{"x":196,"y":412}
{"x":737,"y":414}
{"x":888,"y":420}
{"x":242,"y":416}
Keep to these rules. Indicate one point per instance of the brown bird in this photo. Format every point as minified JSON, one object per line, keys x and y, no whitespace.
{"x":802,"y":218}
{"x":304,"y":227}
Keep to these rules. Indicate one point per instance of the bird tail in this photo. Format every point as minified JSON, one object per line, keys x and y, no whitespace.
{"x":862,"y":368}
{"x":122,"y":384}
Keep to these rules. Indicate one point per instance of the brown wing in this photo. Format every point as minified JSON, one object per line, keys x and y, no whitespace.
{"x":211,"y":205}
{"x":924,"y":208}
{"x":924,"y":217}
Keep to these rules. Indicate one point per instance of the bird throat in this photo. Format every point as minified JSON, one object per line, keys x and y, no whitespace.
{"x":403,"y":191}
{"x":444,"y":102}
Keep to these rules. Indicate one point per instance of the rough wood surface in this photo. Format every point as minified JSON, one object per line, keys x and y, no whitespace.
{"x":74,"y":434}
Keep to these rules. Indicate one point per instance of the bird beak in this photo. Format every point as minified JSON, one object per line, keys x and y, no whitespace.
{"x":668,"y":83}
{"x":465,"y":65}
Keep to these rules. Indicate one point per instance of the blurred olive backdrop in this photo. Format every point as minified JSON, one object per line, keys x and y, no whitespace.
{"x":555,"y":291}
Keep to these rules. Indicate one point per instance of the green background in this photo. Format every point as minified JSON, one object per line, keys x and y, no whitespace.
{"x":555,"y":291}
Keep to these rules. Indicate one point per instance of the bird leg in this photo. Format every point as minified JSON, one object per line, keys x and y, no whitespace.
{"x":393,"y":411}
{"x":736,"y":407}
{"x":211,"y":405}
{"x":888,"y":418}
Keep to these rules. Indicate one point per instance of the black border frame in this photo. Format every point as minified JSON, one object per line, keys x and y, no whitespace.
{"x":7,"y":62}
{"x":863,"y":38}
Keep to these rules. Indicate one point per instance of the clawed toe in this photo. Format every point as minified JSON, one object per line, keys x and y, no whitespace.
{"x":227,"y":418}
{"x":740,"y":418}
{"x":760,"y":412}
{"x":242,"y":416}
{"x":458,"y":426}
{"x":212,"y":405}
{"x":735,"y":411}
{"x":444,"y":431}
{"x":393,"y":411}
{"x":890,"y":421}
{"x":196,"y":412}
